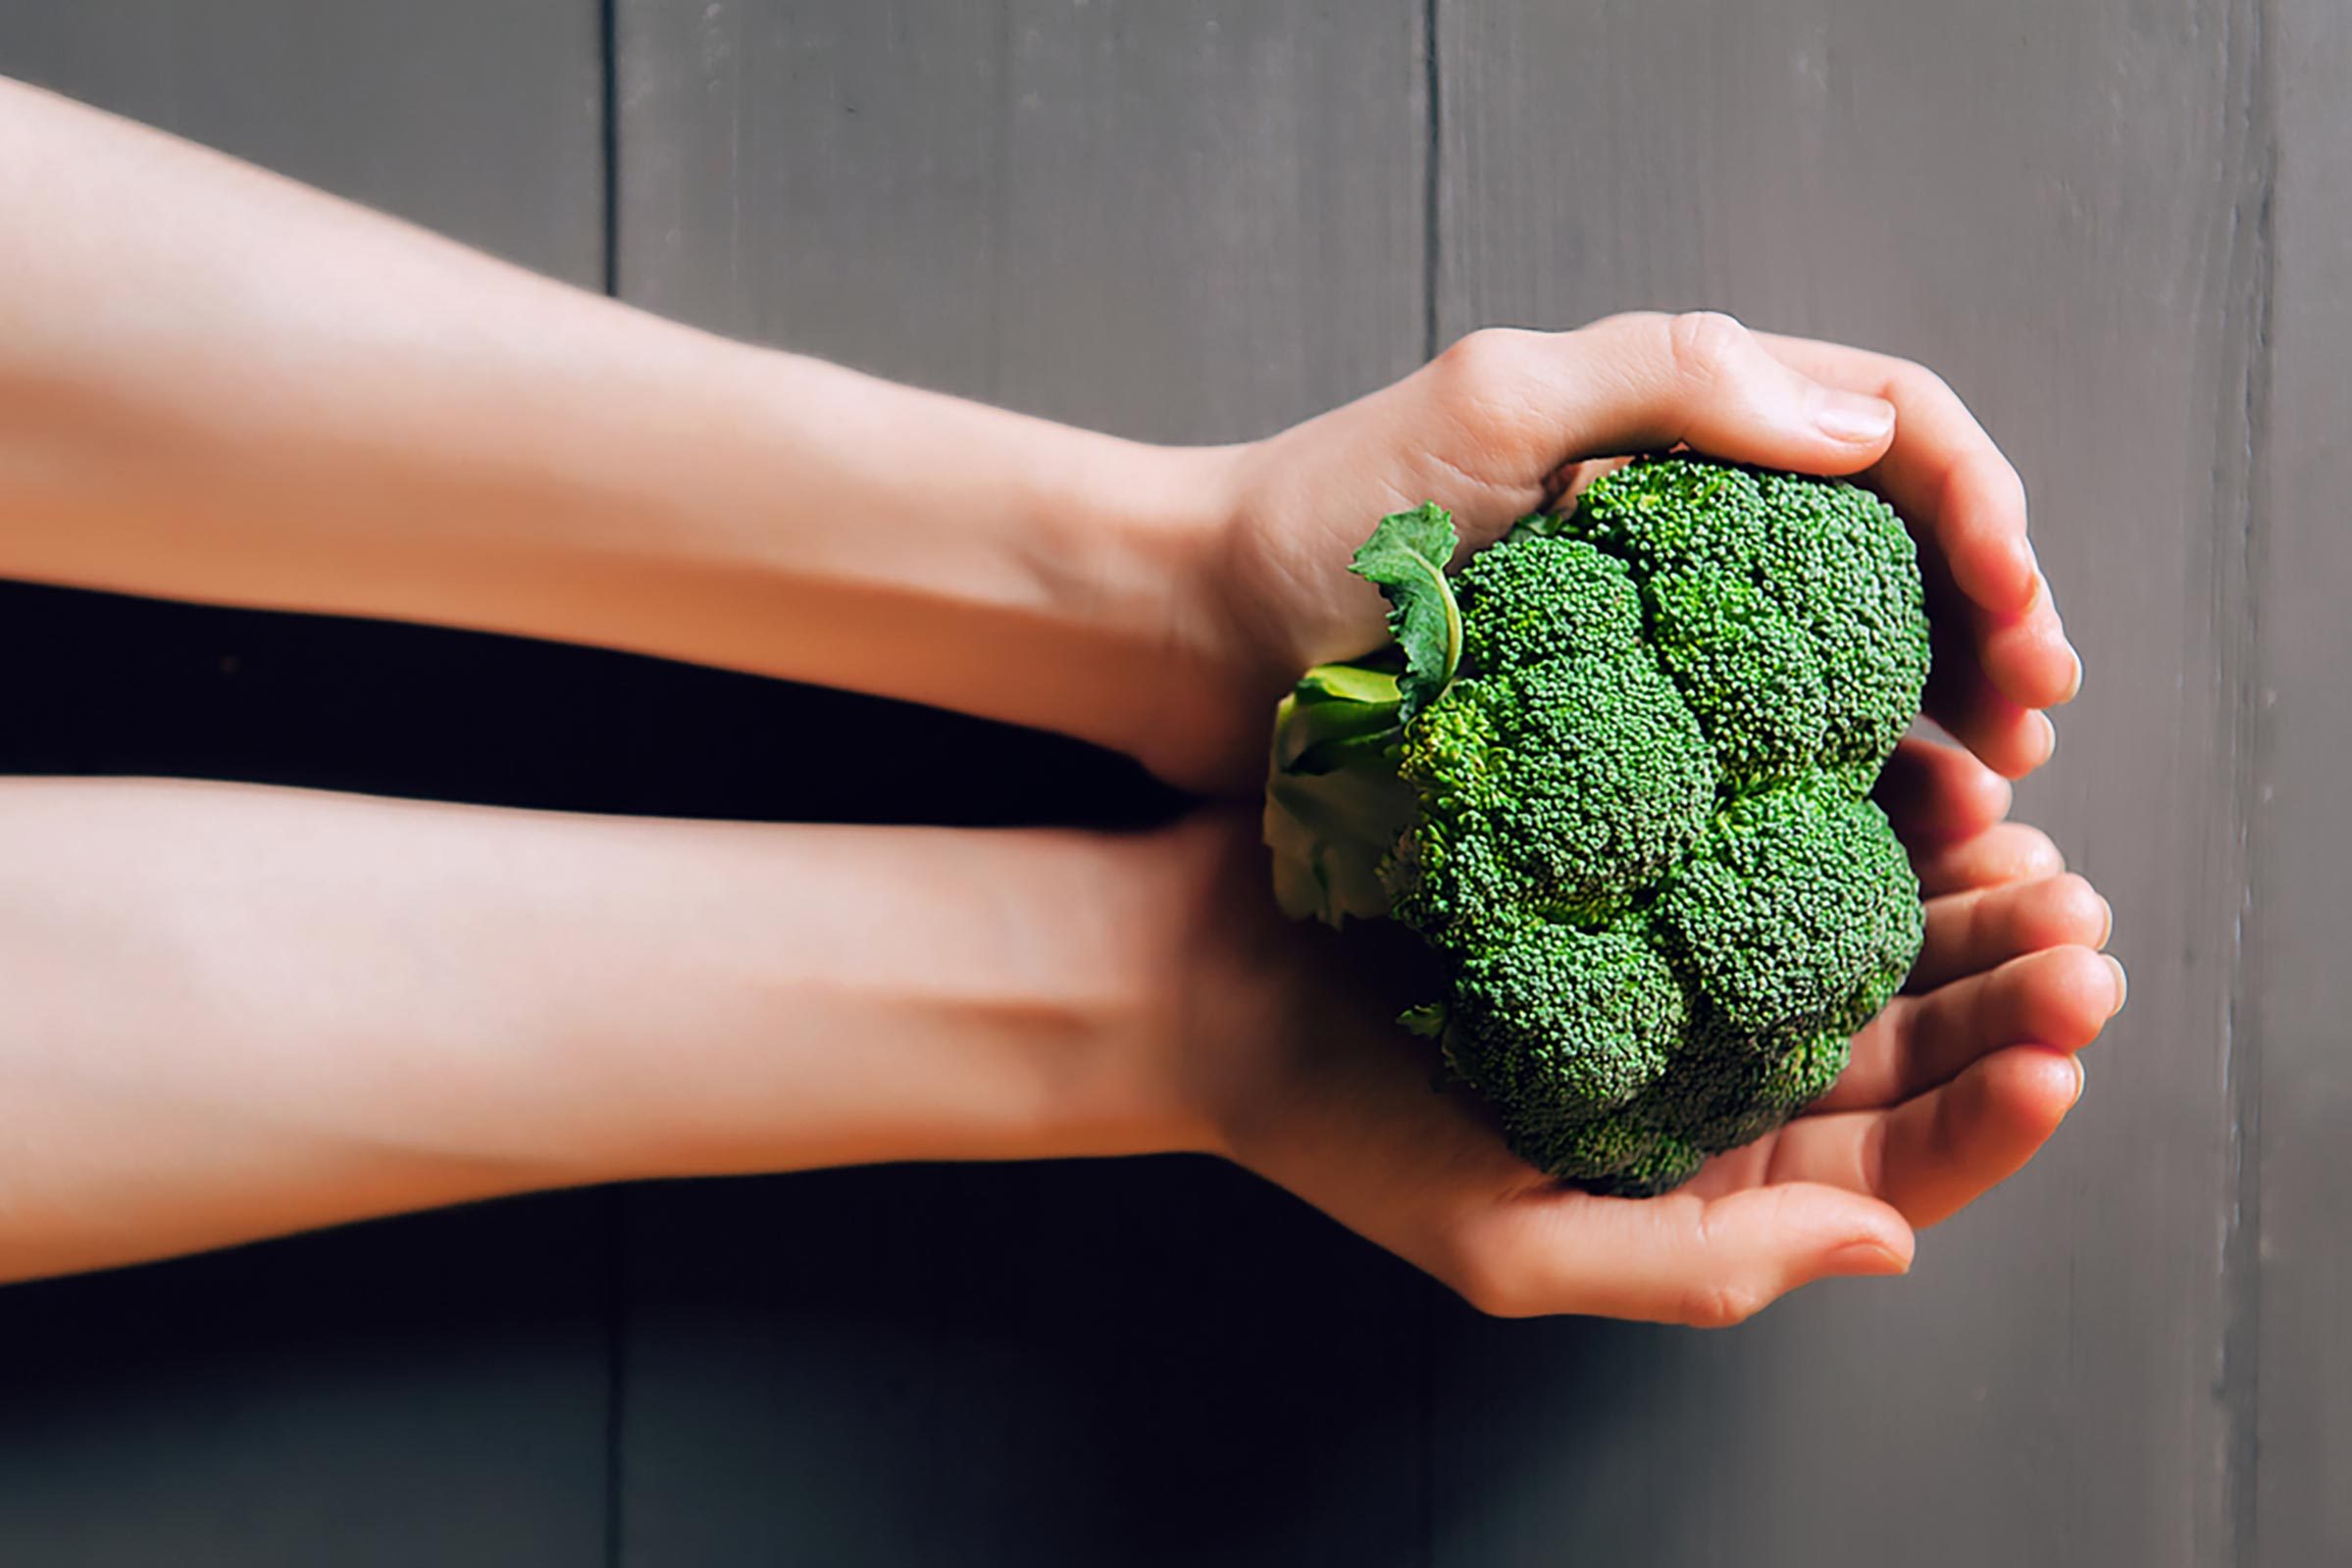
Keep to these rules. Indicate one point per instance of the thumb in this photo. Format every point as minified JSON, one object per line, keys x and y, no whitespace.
{"x":1680,"y":1258}
{"x":1517,"y":407}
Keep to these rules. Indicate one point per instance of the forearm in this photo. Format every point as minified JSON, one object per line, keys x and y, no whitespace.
{"x":236,"y":1012}
{"x":218,"y":384}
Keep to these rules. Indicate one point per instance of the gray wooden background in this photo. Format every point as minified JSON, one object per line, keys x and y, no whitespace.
{"x":2122,"y":228}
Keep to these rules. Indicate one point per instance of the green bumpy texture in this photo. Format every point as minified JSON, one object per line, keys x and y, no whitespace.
{"x":1634,"y":818}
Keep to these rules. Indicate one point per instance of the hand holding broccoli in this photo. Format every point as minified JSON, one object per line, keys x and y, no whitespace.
{"x":1308,"y":1081}
{"x":1618,"y":777}
{"x":1620,"y":782}
{"x":275,"y":439}
{"x":1507,"y":423}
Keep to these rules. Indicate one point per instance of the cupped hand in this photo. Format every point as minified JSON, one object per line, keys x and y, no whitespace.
{"x":1308,"y":1080}
{"x":1506,"y":422}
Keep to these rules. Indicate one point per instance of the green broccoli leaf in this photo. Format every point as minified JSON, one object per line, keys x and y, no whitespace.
{"x":1405,"y":558}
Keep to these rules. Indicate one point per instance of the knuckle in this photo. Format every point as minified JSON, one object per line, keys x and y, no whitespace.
{"x":2002,"y":479}
{"x":1704,"y":345}
{"x":2037,"y":853}
{"x":1493,"y":1296}
{"x":1913,"y":383}
{"x":1487,"y":1282}
{"x":1643,"y":327}
{"x":1484,"y":389}
{"x":1471,"y":367}
{"x":1985,"y":473}
{"x":2072,"y":891}
{"x":1492,"y":1302}
{"x":1721,"y":1303}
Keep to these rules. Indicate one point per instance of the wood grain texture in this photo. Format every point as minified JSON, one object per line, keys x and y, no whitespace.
{"x":2054,"y":206}
{"x":483,"y":122}
{"x":422,"y":1391}
{"x":1154,"y":1361}
{"x":2118,"y":228}
{"x":2302,"y":858}
{"x":1187,"y":221}
{"x":431,"y":1390}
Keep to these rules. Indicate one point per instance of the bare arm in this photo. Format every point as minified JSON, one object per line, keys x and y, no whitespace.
{"x":219,"y":384}
{"x":236,"y":1012}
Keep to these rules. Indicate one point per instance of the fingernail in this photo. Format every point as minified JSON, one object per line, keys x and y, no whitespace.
{"x":2123,"y":982}
{"x":2079,"y":1079}
{"x":2074,"y":683}
{"x":2107,"y":922}
{"x":1867,"y":1258}
{"x":1852,"y":416}
{"x":2049,"y":737}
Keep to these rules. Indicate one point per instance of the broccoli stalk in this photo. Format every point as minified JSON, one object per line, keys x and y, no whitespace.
{"x":1335,"y":803}
{"x":1617,"y":773}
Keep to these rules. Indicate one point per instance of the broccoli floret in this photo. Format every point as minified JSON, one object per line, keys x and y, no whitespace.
{"x":1748,"y":671}
{"x":1521,"y":608}
{"x":1567,"y":1031}
{"x":1801,"y":868}
{"x":1788,"y":609}
{"x":1616,"y":772}
{"x":1570,"y":1022}
{"x":1559,"y":787}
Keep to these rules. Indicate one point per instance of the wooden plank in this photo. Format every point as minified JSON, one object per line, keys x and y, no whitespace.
{"x":1140,"y":1362}
{"x":431,"y":1390}
{"x":1181,"y":220}
{"x":2302,"y":863}
{"x":423,"y":1391}
{"x":484,"y":122}
{"x":2044,"y":202}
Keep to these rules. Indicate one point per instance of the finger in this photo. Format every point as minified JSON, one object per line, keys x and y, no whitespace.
{"x":1943,"y":474}
{"x":1704,"y":380}
{"x":2010,"y":740}
{"x":1526,"y":404}
{"x":1940,"y":1153}
{"x":2007,"y":851}
{"x":1680,"y":1258}
{"x":2060,"y":998}
{"x":1963,"y":697}
{"x":1931,"y":792}
{"x":1933,"y":1155}
{"x":2026,"y":657}
{"x":1968,"y":933}
{"x":1527,"y":408}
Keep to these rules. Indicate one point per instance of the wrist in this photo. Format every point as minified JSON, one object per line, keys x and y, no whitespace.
{"x":1136,"y":1076}
{"x":1243,"y":991}
{"x":845,"y":996}
{"x":885,"y":539}
{"x":1136,"y":545}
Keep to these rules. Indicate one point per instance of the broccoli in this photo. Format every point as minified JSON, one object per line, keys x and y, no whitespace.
{"x":1616,"y":772}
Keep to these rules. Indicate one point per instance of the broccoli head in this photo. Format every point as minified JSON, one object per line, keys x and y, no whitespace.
{"x":1616,"y":772}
